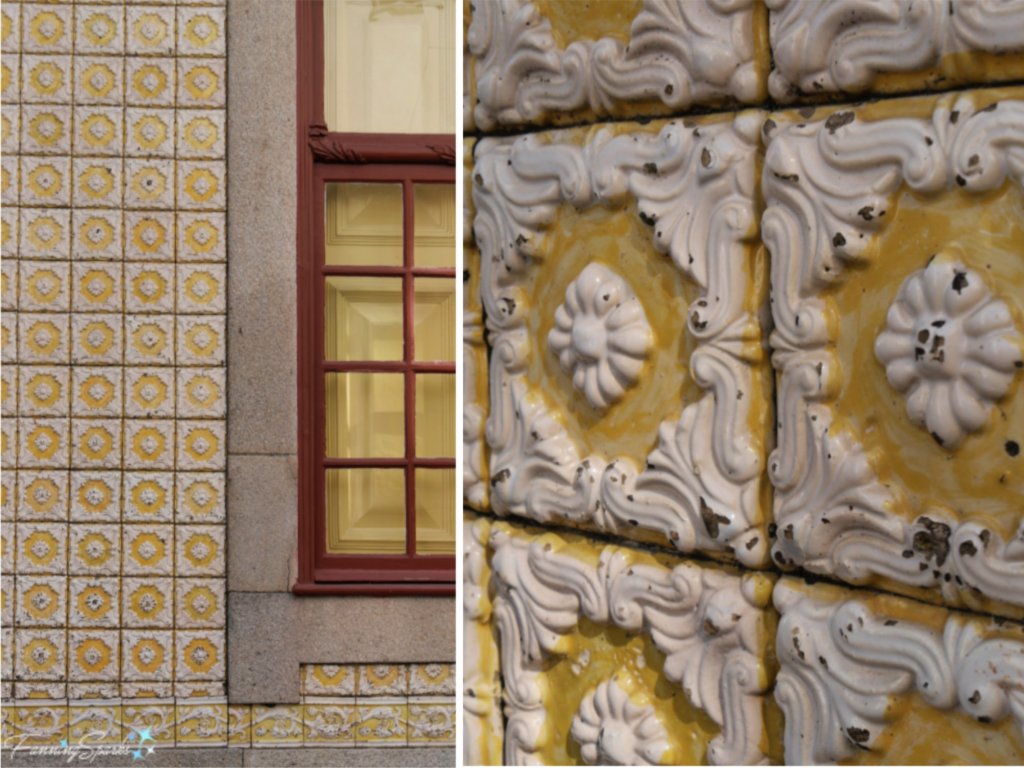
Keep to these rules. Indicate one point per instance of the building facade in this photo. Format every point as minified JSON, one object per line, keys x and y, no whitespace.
{"x":153,"y":468}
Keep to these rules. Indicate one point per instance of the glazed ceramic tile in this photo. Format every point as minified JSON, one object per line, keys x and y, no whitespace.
{"x":7,"y":601}
{"x":47,"y":29}
{"x":900,"y":414}
{"x":202,"y":723}
{"x":147,"y":690}
{"x":239,"y":726}
{"x":149,"y":82}
{"x":96,"y":340}
{"x":42,"y":548}
{"x":201,"y":340}
{"x":46,"y":79}
{"x":96,"y":234}
{"x":98,"y":131}
{"x":199,"y":655}
{"x":149,"y":497}
{"x":44,"y":338}
{"x":149,"y":183}
{"x":201,"y":31}
{"x":41,"y":654}
{"x":149,"y":132}
{"x":329,"y":679}
{"x":382,"y":680}
{"x":148,"y":236}
{"x":98,"y":182}
{"x":894,"y":680}
{"x":149,"y":288}
{"x":44,"y":391}
{"x":200,"y":83}
{"x":94,"y":550}
{"x":475,"y":408}
{"x":149,"y":392}
{"x":149,"y":722}
{"x":147,"y":603}
{"x":96,"y":392}
{"x":203,"y":690}
{"x":41,"y":722}
{"x":382,"y":722}
{"x":329,"y":722}
{"x":147,"y":656}
{"x":46,"y":182}
{"x":200,"y":550}
{"x":199,"y":603}
{"x":201,"y":289}
{"x":201,"y":445}
{"x":618,"y":655}
{"x":201,"y":237}
{"x":201,"y":186}
{"x":36,"y":691}
{"x":99,"y":80}
{"x":431,"y":722}
{"x":279,"y":726}
{"x":148,"y":550}
{"x":95,"y":443}
{"x":200,"y":498}
{"x":606,"y":411}
{"x":432,"y":679}
{"x":89,"y":691}
{"x":99,"y":29}
{"x":93,"y":655}
{"x":95,"y":497}
{"x":95,"y":721}
{"x":201,"y":393}
{"x":46,"y":129}
{"x":94,"y":602}
{"x":43,"y":496}
{"x":543,"y":62}
{"x":149,"y":445}
{"x":41,"y":601}
{"x":816,"y":50}
{"x":96,"y":287}
{"x":200,"y":133}
{"x":150,"y":31}
{"x":9,"y":291}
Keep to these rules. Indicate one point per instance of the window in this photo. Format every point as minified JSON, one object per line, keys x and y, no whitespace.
{"x":376,"y":282}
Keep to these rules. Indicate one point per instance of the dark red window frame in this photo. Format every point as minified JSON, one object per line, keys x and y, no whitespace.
{"x":325,"y":158}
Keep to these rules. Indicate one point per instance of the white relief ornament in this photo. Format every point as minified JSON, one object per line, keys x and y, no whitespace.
{"x":612,"y":730}
{"x":601,"y":335}
{"x":946,"y":348}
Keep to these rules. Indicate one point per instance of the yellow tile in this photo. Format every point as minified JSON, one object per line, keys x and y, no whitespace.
{"x":382,"y":722}
{"x":202,"y":723}
{"x":330,"y":721}
{"x":913,"y":356}
{"x":148,"y":722}
{"x":620,"y":655}
{"x":240,"y":726}
{"x":38,"y":723}
{"x":431,"y":721}
{"x":279,"y":726}
{"x":874,"y":679}
{"x":94,"y":721}
{"x":329,"y":679}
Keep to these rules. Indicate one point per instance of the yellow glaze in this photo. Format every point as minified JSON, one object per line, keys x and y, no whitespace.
{"x":486,"y":699}
{"x":985,"y":233}
{"x":589,"y":19}
{"x":616,"y":239}
{"x":593,"y":653}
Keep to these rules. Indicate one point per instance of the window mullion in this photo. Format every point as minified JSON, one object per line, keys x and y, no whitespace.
{"x":408,"y":285}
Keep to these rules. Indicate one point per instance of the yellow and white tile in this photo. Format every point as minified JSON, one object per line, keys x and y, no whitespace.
{"x":149,"y":82}
{"x":148,"y":550}
{"x":150,"y":31}
{"x":94,"y":602}
{"x":199,"y":655}
{"x":149,"y":392}
{"x":45,"y":390}
{"x":329,"y":721}
{"x":95,"y":497}
{"x":150,"y":339}
{"x":201,"y":83}
{"x":96,"y":339}
{"x":99,"y":30}
{"x":199,"y":603}
{"x":147,"y":656}
{"x":98,"y":182}
{"x":99,"y":80}
{"x":43,"y":496}
{"x":202,"y":722}
{"x":201,"y":237}
{"x":200,"y":550}
{"x":99,"y":131}
{"x":96,"y":443}
{"x":279,"y":726}
{"x":42,"y":548}
{"x":148,"y":236}
{"x":94,"y":550}
{"x":44,"y":338}
{"x":93,"y":656}
{"x":147,"y":603}
{"x":96,"y":392}
{"x":382,"y":722}
{"x":201,"y":340}
{"x":41,"y":601}
{"x":96,"y":287}
{"x":200,"y":498}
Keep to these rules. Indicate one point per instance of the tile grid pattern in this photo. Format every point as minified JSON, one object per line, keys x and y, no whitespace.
{"x":514,"y":103}
{"x":114,"y":398}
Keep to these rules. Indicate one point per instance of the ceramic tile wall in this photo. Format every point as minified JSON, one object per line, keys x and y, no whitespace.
{"x":753,"y":335}
{"x":114,"y":398}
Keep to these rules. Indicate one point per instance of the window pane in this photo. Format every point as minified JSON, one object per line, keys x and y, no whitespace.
{"x":366,"y":511}
{"x":435,"y":511}
{"x":389,"y":67}
{"x":435,"y":415}
{"x":435,"y":319}
{"x":364,"y":225}
{"x":365,"y":415}
{"x":434,"y":214}
{"x":363,"y":318}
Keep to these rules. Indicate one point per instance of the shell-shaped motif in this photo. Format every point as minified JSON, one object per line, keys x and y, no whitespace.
{"x":601,"y":335}
{"x":950,"y":347}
